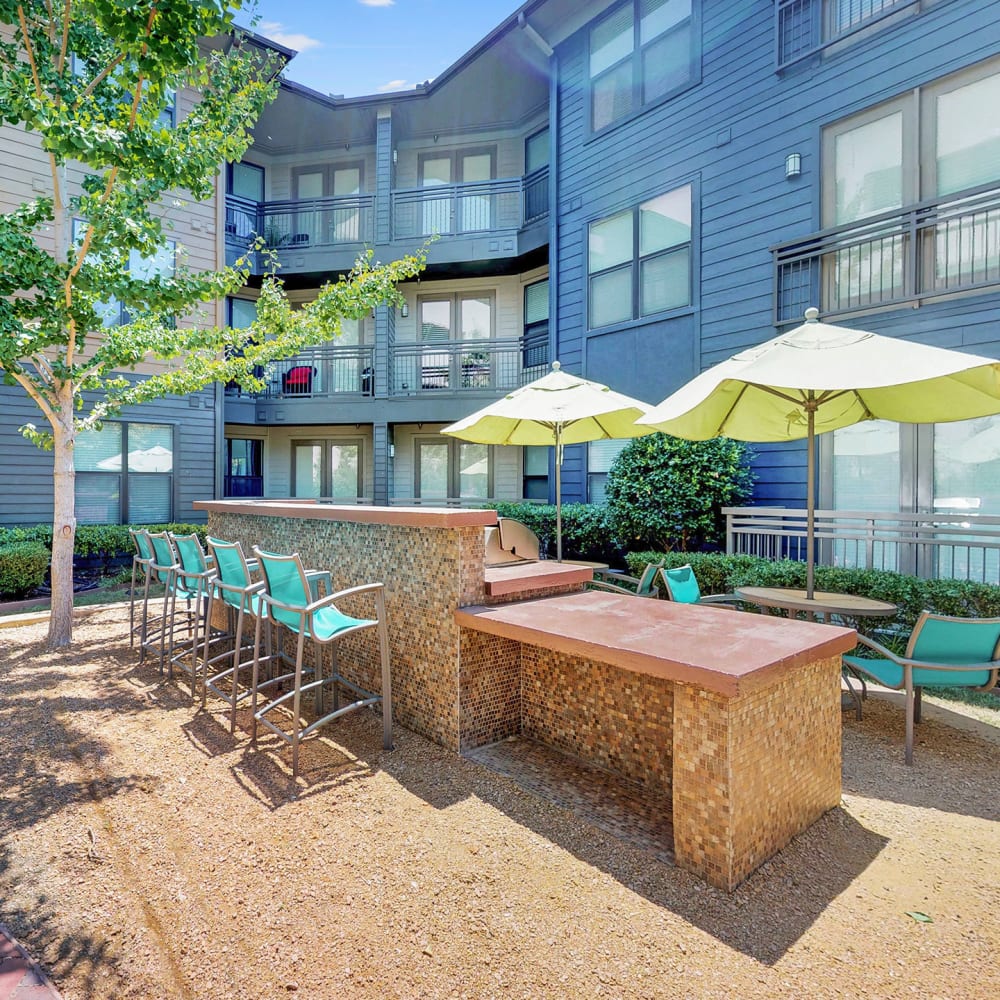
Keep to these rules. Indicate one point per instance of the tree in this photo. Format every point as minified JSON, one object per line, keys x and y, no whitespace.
{"x":90,"y":78}
{"x":666,"y":493}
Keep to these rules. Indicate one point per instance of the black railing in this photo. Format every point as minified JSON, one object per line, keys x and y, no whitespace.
{"x":457,"y":366}
{"x":474,"y":207}
{"x":317,"y":373}
{"x":805,"y":27}
{"x":929,"y":249}
{"x":290,"y":225}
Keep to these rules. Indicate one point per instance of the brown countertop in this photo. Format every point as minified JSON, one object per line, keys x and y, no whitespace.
{"x":730,"y":652}
{"x":523,"y":578}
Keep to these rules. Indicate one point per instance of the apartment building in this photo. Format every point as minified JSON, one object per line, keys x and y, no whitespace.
{"x":638,"y":189}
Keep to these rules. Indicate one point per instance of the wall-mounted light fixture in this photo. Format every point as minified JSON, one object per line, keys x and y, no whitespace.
{"x":793,"y":165}
{"x":404,"y":310}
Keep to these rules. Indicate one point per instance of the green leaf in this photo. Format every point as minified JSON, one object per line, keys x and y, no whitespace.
{"x":921,"y":918}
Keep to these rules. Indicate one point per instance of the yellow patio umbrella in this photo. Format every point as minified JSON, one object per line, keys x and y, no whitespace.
{"x":819,"y":377}
{"x":556,"y":409}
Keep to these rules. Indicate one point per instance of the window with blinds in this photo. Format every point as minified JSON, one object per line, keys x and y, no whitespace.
{"x":124,"y":471}
{"x":640,"y":53}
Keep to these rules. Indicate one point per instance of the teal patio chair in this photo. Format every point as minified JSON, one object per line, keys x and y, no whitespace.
{"x":643,"y":585}
{"x":234,"y":589}
{"x":141,"y":560}
{"x":165,"y":568}
{"x":162,"y":567}
{"x":192,"y":581}
{"x":681,"y":585}
{"x":941,"y":652}
{"x":289,"y":603}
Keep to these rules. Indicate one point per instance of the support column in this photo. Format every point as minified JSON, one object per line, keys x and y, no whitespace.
{"x":383,"y":464}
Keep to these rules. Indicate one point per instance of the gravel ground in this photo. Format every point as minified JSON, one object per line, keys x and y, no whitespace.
{"x":144,"y":852}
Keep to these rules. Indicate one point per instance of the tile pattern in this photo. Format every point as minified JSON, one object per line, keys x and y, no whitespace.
{"x":622,"y":808}
{"x":753,"y":771}
{"x":489,"y":689}
{"x":428,"y":573}
{"x":609,"y":717}
{"x":571,"y":588}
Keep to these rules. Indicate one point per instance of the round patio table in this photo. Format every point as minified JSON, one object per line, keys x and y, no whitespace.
{"x":823,"y":605}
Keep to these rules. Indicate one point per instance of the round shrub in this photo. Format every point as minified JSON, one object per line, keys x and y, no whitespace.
{"x":666,"y":493}
{"x":22,"y":568}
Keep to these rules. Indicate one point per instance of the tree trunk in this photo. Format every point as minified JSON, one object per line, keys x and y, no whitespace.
{"x":63,"y":521}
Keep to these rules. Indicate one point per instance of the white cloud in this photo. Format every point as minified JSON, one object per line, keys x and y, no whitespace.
{"x":275,"y":30}
{"x":377,"y":3}
{"x":392,"y":85}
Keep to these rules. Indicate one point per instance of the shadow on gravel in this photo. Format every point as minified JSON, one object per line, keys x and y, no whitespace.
{"x":92,"y":960}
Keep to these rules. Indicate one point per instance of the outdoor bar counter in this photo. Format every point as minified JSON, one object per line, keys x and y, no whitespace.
{"x":732,"y":717}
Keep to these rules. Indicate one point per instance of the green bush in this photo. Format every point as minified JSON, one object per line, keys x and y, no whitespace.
{"x":586,"y":530}
{"x":667,"y":493}
{"x":23,"y":565}
{"x":722,"y":574}
{"x":100,"y":541}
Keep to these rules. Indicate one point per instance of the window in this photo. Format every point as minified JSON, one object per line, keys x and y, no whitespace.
{"x":640,"y":53}
{"x":328,"y":468}
{"x":112,"y":312}
{"x":932,"y":144}
{"x":168,"y":113}
{"x":600,"y":457}
{"x":445,"y":469}
{"x":639,"y":260}
{"x":536,"y":472}
{"x":842,"y":16}
{"x":535,"y":342}
{"x":536,"y":184}
{"x":328,"y":223}
{"x":461,"y":210}
{"x":244,"y":475}
{"x":450,"y":318}
{"x":954,"y":469}
{"x":139,"y":493}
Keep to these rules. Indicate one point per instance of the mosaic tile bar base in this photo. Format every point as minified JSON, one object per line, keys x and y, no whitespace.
{"x":427,"y":572}
{"x":753,"y":771}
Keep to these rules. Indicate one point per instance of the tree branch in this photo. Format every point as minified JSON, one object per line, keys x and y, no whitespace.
{"x":41,"y":399}
{"x":65,"y":35}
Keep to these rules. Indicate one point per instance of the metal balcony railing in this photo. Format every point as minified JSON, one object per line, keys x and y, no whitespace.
{"x":930,"y":249}
{"x":497,"y":206}
{"x":310,"y":222}
{"x":458,"y":366}
{"x":805,"y":27}
{"x":317,"y":373}
{"x":949,"y":546}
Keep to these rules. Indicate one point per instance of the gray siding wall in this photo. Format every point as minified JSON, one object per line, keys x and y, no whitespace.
{"x":26,"y":471}
{"x":728,"y":135}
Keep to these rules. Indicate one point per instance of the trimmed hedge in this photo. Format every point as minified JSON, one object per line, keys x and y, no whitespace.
{"x":586,"y":530}
{"x":721,"y":574}
{"x":95,"y":540}
{"x":23,"y":565}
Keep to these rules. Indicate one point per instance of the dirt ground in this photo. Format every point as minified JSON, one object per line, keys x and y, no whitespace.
{"x":146,"y":853}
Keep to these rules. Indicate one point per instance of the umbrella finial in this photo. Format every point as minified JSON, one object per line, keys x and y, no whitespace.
{"x":556,"y":366}
{"x":812,"y":315}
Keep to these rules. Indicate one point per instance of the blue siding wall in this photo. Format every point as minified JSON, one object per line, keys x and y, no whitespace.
{"x":26,"y":471}
{"x":729,"y":135}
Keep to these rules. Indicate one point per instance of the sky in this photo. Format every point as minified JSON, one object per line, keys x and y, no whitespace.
{"x":362,"y":47}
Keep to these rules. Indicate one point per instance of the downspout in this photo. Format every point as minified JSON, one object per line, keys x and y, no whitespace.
{"x":548,"y":51}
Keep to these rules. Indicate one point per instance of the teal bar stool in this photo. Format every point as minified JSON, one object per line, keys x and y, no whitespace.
{"x":289,"y":603}
{"x":234,"y":589}
{"x":141,"y":560}
{"x":192,"y":582}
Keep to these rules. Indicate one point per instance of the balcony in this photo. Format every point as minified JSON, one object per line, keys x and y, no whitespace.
{"x":497,"y":207}
{"x":804,"y":28}
{"x":318,"y":373}
{"x":326,"y":223}
{"x":489,"y":366}
{"x":474,"y":221}
{"x":929,"y":250}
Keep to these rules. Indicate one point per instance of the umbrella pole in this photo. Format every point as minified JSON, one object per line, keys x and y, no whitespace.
{"x":810,"y":501}
{"x":558,"y":494}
